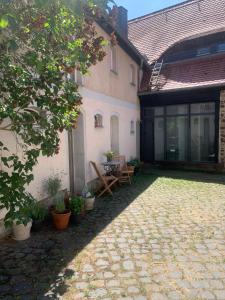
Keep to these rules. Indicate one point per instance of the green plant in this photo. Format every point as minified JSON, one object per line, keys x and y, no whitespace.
{"x":53,"y":185}
{"x":76,"y":204}
{"x":59,"y":203}
{"x":41,"y":42}
{"x":22,"y":215}
{"x":38,"y":212}
{"x":109,"y":155}
{"x":135,"y":162}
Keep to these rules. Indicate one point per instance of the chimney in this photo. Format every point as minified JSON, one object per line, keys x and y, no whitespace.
{"x":122,"y":22}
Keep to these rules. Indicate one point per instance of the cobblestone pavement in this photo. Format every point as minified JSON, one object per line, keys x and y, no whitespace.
{"x":161,"y":238}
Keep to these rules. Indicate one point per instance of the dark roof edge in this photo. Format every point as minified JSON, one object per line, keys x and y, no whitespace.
{"x":125,"y":44}
{"x":216,"y":85}
{"x":184,"y":3}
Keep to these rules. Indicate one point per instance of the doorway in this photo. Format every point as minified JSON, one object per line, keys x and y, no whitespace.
{"x":79,"y":155}
{"x":114,"y":133}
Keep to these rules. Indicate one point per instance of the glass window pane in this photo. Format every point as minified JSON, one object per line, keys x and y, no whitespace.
{"x":177,"y":138}
{"x":149,"y":112}
{"x":159,"y":111}
{"x":203,"y":138}
{"x":177,"y":110}
{"x":203,"y":108}
{"x":159,"y":138}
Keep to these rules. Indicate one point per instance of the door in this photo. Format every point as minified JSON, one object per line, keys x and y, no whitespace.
{"x":148,"y":139}
{"x":114,"y":132}
{"x":79,"y":156}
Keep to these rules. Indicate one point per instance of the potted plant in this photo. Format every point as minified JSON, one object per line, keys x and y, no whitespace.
{"x":109,"y":155}
{"x":89,"y":198}
{"x":22,"y":224}
{"x":134,"y":164}
{"x":76,"y":206}
{"x":38,"y":214}
{"x":60,"y":214}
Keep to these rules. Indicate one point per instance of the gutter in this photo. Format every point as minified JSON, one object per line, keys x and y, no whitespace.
{"x":148,"y":93}
{"x":71,"y":162}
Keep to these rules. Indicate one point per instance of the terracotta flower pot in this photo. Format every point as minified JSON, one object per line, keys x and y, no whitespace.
{"x":61,"y":221}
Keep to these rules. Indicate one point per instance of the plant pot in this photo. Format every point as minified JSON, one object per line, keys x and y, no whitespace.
{"x":21,"y":232}
{"x":36,"y":225}
{"x":76,"y":219}
{"x":89,"y":203}
{"x":61,"y":221}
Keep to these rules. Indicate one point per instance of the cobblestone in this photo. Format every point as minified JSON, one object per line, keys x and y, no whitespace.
{"x":161,"y":238}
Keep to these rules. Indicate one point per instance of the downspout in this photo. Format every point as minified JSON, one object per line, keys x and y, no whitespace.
{"x":71,"y":161}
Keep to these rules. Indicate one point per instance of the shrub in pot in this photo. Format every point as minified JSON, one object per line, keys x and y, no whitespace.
{"x":38,"y":214}
{"x":77,"y":208}
{"x":60,"y":214}
{"x":22,"y":224}
{"x":89,"y":198}
{"x":135,"y":164}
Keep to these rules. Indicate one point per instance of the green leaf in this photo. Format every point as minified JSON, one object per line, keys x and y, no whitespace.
{"x":3,"y":23}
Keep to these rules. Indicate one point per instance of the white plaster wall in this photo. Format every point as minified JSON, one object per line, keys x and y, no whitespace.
{"x":47,"y":166}
{"x":97,"y":140}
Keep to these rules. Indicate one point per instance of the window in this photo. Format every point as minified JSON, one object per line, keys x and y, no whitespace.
{"x":132,"y":127}
{"x":98,"y":121}
{"x":76,"y":76}
{"x":221,"y":47}
{"x":132,"y":75}
{"x":203,"y":51}
{"x":185,"y":132}
{"x":114,"y":59}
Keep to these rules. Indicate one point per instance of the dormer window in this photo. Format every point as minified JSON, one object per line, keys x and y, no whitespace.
{"x":113,"y":57}
{"x":221,"y":47}
{"x":98,"y":121}
{"x":203,"y":51}
{"x":132,"y":75}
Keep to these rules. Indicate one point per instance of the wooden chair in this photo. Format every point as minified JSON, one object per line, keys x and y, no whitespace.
{"x":107,"y":181}
{"x":124,"y":173}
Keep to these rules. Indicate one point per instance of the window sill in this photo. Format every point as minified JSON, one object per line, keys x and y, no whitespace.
{"x":132,"y":83}
{"x":114,"y":72}
{"x":99,"y":127}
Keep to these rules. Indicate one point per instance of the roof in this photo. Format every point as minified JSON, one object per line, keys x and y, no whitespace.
{"x":190,"y":74}
{"x":155,"y":33}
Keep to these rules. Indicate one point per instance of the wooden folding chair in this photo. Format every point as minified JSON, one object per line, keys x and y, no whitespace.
{"x":124,"y":174}
{"x":107,"y":181}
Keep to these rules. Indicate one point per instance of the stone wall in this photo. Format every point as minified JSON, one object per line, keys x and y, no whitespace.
{"x":222,"y":129}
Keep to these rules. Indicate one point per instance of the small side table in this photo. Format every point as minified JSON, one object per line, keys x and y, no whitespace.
{"x":111,"y":167}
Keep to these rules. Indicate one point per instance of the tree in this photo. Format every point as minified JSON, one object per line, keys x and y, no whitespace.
{"x":41,"y":41}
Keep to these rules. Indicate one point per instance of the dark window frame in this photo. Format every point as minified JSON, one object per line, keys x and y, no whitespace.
{"x":189,"y":114}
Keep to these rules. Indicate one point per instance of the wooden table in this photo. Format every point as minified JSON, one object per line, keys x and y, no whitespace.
{"x":111,"y":167}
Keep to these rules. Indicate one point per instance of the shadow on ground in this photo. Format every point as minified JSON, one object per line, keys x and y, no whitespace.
{"x":37,"y":268}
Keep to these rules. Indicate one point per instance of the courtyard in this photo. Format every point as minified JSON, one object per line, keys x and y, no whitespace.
{"x":161,"y":238}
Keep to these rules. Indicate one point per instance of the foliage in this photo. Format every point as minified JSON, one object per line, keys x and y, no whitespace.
{"x":76,"y":204}
{"x":38,"y":212}
{"x":60,"y":207}
{"x":41,"y":41}
{"x":134,"y":162}
{"x":22,"y":215}
{"x":52,"y":185}
{"x":109,"y":155}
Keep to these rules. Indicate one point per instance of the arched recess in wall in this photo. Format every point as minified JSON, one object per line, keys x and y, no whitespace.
{"x":138,"y":139}
{"x":114,"y":133}
{"x":79,"y":154}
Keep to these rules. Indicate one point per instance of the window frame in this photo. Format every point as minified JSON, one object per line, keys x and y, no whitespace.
{"x":113,"y":59}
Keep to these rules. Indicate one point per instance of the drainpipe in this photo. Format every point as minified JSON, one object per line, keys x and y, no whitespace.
{"x":140,"y":73}
{"x":71,"y":161}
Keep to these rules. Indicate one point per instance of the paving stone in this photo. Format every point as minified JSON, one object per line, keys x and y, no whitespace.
{"x":160,"y":238}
